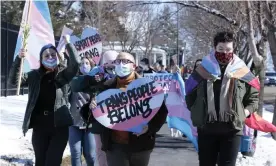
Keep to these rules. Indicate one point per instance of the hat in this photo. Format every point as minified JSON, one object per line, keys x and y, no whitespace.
{"x":46,"y":47}
{"x":109,"y":56}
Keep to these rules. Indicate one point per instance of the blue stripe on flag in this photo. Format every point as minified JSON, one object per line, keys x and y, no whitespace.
{"x":18,"y":46}
{"x":181,"y":84}
{"x":183,"y":126}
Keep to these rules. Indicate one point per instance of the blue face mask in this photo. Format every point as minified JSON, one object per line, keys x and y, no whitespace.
{"x":122,"y":70}
{"x":84,"y":69}
{"x":50,"y":63}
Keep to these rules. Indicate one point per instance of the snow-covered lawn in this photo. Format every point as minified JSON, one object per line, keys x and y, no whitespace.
{"x":265,"y":154}
{"x":14,"y":147}
{"x":18,"y":149}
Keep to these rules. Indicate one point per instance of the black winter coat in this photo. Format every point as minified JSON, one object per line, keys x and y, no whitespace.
{"x":32,"y":79}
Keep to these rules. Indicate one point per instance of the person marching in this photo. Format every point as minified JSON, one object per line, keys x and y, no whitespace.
{"x":109,"y":68}
{"x":88,"y":84}
{"x":47,"y":109}
{"x":146,"y":66}
{"x":81,"y":140}
{"x":126,"y":148}
{"x":221,"y":93}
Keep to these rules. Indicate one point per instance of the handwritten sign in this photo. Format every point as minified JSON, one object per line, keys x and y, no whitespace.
{"x":61,"y":43}
{"x":89,"y":45}
{"x":129,"y":110}
{"x":164,"y":79}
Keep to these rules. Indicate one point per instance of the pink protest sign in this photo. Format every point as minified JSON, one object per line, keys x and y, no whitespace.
{"x":90,"y":44}
{"x":129,"y":110}
{"x":164,"y":79}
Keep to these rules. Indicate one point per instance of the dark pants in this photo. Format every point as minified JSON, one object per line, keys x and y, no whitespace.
{"x":227,"y":146}
{"x":118,"y":157}
{"x":49,"y":145}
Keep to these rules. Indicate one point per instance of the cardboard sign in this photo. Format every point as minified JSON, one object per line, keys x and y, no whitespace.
{"x":61,"y":43}
{"x":129,"y":110}
{"x":164,"y":79}
{"x":89,"y":45}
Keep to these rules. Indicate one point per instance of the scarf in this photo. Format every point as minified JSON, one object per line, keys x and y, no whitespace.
{"x":123,"y":83}
{"x":122,"y":137}
{"x":236,"y":69}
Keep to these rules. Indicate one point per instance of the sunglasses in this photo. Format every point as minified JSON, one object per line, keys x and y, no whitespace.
{"x":123,"y":61}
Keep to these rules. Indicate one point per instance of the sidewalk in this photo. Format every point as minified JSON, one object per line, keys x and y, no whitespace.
{"x":170,"y":151}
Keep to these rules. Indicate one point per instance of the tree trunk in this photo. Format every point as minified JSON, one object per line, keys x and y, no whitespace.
{"x":251,"y":40}
{"x":262,"y":45}
{"x":272,"y":44}
{"x":257,"y":59}
{"x":261,"y":96}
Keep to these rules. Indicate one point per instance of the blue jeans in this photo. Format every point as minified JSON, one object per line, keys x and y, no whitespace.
{"x":81,"y":141}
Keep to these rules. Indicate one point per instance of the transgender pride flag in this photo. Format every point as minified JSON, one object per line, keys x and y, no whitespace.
{"x":36,"y":14}
{"x":179,"y":117}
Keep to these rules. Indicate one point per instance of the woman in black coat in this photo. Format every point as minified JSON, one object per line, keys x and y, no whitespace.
{"x":47,"y":109}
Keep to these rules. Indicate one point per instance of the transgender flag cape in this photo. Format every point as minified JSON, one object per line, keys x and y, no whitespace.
{"x":241,"y":72}
{"x":36,"y":14}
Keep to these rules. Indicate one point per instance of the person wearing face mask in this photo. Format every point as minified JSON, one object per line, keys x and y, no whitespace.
{"x":221,"y":93}
{"x":145,"y":65}
{"x":47,"y":111}
{"x":88,"y":84}
{"x":126,"y":148}
{"x":109,"y":69}
{"x":81,"y":139}
{"x":158,"y":69}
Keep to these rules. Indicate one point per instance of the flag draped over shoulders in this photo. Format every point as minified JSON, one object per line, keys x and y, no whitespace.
{"x":238,"y":71}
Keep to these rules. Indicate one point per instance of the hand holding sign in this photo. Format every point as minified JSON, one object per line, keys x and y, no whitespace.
{"x":93,"y":105}
{"x":145,"y":130}
{"x":90,"y":44}
{"x":129,"y":110}
{"x":66,"y":39}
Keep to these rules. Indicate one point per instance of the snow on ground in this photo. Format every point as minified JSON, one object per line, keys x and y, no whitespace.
{"x":266,"y":146}
{"x":14,"y":147}
{"x":17,"y":149}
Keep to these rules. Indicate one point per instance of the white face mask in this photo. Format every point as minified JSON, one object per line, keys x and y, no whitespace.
{"x":122,"y":70}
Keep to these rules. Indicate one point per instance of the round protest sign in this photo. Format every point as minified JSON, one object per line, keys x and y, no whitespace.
{"x":89,"y":45}
{"x":131,"y":109}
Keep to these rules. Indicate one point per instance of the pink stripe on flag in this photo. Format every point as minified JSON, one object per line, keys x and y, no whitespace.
{"x":99,"y":113}
{"x":255,"y":83}
{"x":33,"y":61}
{"x":40,"y":26}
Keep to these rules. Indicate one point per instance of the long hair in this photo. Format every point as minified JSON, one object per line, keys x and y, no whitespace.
{"x":91,"y":62}
{"x":198,"y":60}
